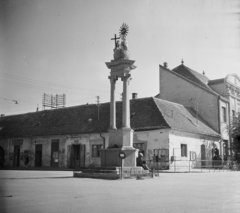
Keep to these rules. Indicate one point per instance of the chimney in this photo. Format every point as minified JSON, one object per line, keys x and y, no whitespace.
{"x":165,"y":64}
{"x":134,"y":96}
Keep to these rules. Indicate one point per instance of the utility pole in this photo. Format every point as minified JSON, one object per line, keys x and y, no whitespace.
{"x":98,"y":104}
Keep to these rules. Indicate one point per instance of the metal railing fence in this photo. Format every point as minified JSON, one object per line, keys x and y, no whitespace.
{"x":193,"y":165}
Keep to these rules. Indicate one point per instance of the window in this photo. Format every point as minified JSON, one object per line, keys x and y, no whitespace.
{"x":192,"y":155}
{"x":224,"y":115}
{"x":95,"y":150}
{"x":139,"y":146}
{"x":233,"y":113}
{"x":184,"y":150}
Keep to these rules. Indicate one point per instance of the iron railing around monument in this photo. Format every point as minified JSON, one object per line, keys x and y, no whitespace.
{"x":192,"y":165}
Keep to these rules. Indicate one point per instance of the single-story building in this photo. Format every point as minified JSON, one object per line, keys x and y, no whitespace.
{"x":71,"y":137}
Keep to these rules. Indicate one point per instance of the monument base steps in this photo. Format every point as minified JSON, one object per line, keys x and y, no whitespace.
{"x":111,"y":173}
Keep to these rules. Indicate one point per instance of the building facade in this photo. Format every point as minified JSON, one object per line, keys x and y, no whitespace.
{"x":211,"y":98}
{"x":72,"y":137}
{"x":228,"y":87}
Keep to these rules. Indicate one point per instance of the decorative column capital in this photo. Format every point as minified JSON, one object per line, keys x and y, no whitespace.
{"x":113,"y":78}
{"x":126,"y":77}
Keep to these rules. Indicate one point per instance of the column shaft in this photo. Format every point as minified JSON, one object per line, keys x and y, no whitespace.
{"x":112,"y":103}
{"x":125,"y":104}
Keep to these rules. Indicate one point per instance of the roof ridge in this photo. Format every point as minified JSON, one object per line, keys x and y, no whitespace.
{"x":192,"y":70}
{"x":174,"y":103}
{"x":192,"y":82}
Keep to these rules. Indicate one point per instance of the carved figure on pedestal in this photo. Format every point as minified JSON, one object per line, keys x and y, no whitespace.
{"x":121,"y":49}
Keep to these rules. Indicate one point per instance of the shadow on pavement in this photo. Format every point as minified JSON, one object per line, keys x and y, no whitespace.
{"x":37,"y":178}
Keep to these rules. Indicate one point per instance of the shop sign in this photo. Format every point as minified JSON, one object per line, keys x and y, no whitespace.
{"x":17,"y":142}
{"x":40,"y":141}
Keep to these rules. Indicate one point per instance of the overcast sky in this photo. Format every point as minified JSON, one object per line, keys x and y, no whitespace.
{"x":61,"y":46}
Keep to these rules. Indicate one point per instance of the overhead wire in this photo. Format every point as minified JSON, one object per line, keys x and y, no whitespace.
{"x":27,"y":82}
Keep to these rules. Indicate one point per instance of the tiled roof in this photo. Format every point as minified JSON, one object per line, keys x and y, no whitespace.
{"x":80,"y":119}
{"x":183,"y":118}
{"x":216,"y":81}
{"x":192,"y":75}
{"x":146,"y":114}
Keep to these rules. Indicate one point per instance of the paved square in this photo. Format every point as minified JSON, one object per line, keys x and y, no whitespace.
{"x":48,"y":191}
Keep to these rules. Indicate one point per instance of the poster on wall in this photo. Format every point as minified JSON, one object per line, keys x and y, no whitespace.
{"x":161,"y":154}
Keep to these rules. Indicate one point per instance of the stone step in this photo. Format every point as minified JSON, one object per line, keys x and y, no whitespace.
{"x":111,"y":173}
{"x":112,"y":176}
{"x":107,"y":176}
{"x":99,"y":171}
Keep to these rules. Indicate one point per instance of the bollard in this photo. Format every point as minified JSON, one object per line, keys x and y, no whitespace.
{"x":152,"y":173}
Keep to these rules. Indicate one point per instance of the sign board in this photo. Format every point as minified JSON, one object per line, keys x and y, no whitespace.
{"x":17,"y":142}
{"x":41,"y":142}
{"x":76,"y":141}
{"x":122,"y":155}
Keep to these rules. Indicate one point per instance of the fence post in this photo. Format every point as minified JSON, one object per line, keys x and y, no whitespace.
{"x":189,"y":166}
{"x":174,"y":166}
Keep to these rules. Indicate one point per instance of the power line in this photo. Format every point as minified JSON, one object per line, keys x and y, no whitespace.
{"x":41,"y":88}
{"x":18,"y":101}
{"x":46,"y":84}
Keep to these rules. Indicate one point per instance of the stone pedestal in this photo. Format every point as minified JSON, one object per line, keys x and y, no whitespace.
{"x":109,"y":157}
{"x":120,"y":138}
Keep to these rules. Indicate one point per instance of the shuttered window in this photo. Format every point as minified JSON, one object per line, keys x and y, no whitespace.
{"x":184,"y":150}
{"x":95,"y":150}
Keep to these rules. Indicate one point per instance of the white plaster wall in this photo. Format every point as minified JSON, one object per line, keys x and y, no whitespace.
{"x":155,"y":139}
{"x":193,"y":142}
{"x":176,"y":89}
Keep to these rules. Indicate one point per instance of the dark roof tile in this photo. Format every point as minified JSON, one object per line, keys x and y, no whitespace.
{"x":146,"y":114}
{"x":192,"y":75}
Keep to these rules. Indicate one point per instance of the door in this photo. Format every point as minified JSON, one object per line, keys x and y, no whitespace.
{"x":16,"y":156}
{"x":2,"y":157}
{"x":38,"y":155}
{"x":203,"y":155}
{"x":78,"y":156}
{"x":54,"y":153}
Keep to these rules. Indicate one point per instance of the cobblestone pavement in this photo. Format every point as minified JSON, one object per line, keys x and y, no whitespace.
{"x":55,"y":191}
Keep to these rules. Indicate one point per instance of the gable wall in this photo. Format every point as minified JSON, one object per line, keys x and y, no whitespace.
{"x":176,"y":89}
{"x":219,"y":88}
